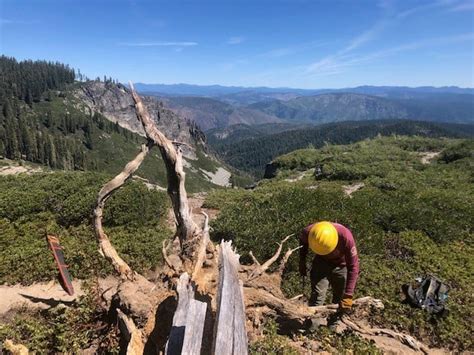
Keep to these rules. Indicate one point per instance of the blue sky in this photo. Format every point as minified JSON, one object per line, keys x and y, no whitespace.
{"x":291,"y":43}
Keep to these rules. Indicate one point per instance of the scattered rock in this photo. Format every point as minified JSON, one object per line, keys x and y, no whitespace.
{"x":350,"y":189}
{"x":427,"y":157}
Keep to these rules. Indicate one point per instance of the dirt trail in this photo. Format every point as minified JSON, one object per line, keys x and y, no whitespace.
{"x":44,"y":295}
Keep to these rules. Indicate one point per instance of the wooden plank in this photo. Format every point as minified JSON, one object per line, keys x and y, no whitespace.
{"x":194,"y":327}
{"x":230,"y":335}
{"x":224,"y":340}
{"x":240,"y":331}
{"x":176,"y":338}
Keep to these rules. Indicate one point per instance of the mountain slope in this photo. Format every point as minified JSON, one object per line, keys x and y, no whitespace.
{"x":333,"y":108}
{"x":409,"y":218}
{"x":211,"y":113}
{"x":90,"y":126}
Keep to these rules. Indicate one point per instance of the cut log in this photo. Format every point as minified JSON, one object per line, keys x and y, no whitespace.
{"x":15,"y":349}
{"x":194,"y":328}
{"x":188,"y":321}
{"x":201,"y":252}
{"x":230,"y":334}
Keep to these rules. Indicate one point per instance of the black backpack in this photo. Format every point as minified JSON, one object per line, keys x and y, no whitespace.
{"x":429,"y":293}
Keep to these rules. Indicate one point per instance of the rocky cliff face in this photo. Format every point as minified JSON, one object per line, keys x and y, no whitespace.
{"x":115,"y":102}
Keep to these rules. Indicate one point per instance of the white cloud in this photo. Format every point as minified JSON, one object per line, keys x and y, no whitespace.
{"x":235,"y":40}
{"x":336,"y":64}
{"x":463,"y":6}
{"x":158,"y":44}
{"x":4,"y":21}
{"x":366,"y":36}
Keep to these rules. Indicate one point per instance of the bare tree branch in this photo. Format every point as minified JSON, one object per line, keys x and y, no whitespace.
{"x":168,"y":262}
{"x":106,"y":248}
{"x":254,"y":259}
{"x":262,"y":268}
{"x":201,"y":253}
{"x":287,"y":255}
{"x":172,"y":156}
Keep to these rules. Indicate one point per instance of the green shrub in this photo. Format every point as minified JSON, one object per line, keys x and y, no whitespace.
{"x":408,"y":220}
{"x":271,"y":343}
{"x":464,"y":149}
{"x":62,"y":204}
{"x":63,"y":329}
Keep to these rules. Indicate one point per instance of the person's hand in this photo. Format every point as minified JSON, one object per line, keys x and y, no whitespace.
{"x":302,"y":269}
{"x":346,"y":304}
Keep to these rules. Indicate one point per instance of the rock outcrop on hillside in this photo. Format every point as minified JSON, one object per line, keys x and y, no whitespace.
{"x":114,"y":101}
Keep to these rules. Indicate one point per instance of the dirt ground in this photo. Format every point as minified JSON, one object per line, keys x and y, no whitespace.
{"x":44,"y":295}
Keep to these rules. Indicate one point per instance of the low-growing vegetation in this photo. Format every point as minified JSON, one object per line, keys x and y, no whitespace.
{"x":410,"y":218}
{"x":83,"y":325}
{"x":62,"y":204}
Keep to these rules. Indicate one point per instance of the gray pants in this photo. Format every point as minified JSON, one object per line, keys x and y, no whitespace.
{"x":324,"y":273}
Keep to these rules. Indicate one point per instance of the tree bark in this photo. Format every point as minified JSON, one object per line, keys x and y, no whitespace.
{"x":173,"y":158}
{"x":105,"y":247}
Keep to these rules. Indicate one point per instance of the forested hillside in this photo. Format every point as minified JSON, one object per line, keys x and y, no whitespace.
{"x":337,"y":107}
{"x":44,"y":121}
{"x":250,"y":152}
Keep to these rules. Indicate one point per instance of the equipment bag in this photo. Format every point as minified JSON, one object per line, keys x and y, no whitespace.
{"x":429,"y":294}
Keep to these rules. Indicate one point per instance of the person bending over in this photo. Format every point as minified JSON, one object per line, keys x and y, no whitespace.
{"x":335,"y":263}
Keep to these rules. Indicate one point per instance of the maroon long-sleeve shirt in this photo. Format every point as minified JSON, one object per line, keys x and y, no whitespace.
{"x":345,"y":254}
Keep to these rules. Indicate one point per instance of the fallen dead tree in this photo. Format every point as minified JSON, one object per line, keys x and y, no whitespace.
{"x":233,"y":299}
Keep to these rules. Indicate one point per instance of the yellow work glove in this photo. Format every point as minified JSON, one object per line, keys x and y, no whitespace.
{"x":346,"y":303}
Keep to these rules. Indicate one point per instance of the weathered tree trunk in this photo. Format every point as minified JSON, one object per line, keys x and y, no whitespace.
{"x":230,"y":333}
{"x":173,"y":158}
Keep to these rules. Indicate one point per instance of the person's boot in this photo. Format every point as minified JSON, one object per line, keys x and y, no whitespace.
{"x":334,"y":320}
{"x":315,"y":324}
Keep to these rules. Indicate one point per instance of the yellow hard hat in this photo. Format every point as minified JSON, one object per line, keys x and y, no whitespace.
{"x":323,"y":238}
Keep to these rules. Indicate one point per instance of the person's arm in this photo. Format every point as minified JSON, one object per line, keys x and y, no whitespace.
{"x":352,"y":264}
{"x":303,"y":251}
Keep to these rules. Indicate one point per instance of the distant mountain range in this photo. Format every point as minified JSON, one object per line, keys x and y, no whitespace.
{"x":218,"y":90}
{"x":220,"y":106}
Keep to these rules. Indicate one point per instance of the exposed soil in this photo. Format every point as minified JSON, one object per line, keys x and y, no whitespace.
{"x":17,"y":169}
{"x":350,"y":189}
{"x":45,"y":295}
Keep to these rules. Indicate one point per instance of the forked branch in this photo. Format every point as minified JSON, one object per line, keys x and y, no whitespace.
{"x":173,"y":158}
{"x":105,"y":247}
{"x":285,"y":258}
{"x":260,"y":269}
